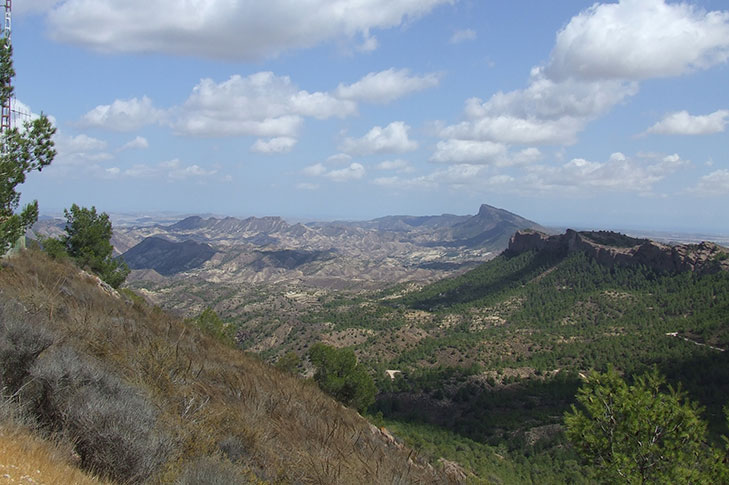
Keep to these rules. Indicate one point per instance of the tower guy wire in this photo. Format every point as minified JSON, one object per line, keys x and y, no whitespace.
{"x":7,"y":108}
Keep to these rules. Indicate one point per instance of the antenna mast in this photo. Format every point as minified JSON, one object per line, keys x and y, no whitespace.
{"x":7,"y":30}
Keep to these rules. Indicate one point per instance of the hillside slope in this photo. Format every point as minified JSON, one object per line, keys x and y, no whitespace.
{"x":493,"y":357}
{"x":166,"y":257}
{"x":25,"y":458}
{"x":148,"y":398}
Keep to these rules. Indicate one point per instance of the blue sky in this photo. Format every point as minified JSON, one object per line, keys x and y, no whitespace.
{"x":605,"y":115}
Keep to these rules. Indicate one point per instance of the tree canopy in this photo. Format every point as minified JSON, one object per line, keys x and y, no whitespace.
{"x":642,"y":433}
{"x":88,"y":242}
{"x":339,"y":375}
{"x":23,"y":150}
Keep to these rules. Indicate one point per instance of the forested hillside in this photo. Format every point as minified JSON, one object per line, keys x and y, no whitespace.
{"x":495,"y":357}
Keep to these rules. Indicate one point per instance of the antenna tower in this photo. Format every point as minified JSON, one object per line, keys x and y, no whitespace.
{"x":7,"y":30}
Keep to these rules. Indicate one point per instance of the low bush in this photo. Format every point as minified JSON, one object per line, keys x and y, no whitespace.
{"x":113,"y":426}
{"x":20,"y":345}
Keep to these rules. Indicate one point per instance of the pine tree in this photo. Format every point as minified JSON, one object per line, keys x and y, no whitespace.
{"x":23,"y":150}
{"x":642,"y":433}
{"x":88,"y":242}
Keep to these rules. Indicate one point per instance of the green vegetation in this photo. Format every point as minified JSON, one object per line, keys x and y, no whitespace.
{"x":339,"y":375}
{"x":614,"y":239}
{"x":210,"y":323}
{"x":88,"y":242}
{"x":640,"y":433}
{"x":493,"y":356}
{"x":23,"y":151}
{"x":289,"y":362}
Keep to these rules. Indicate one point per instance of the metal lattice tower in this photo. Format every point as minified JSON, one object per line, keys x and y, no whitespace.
{"x":5,"y":121}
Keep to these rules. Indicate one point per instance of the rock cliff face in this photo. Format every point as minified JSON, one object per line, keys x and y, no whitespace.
{"x":611,"y":248}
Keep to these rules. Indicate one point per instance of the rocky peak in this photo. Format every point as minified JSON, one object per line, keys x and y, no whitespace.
{"x":189,"y":223}
{"x":612,"y":248}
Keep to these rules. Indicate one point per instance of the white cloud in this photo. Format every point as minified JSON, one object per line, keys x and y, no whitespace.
{"x":172,"y":170}
{"x":80,"y":150}
{"x":618,"y":174}
{"x":261,"y":104}
{"x":315,"y":170}
{"x":399,"y":166}
{"x":469,"y":151}
{"x":386,"y":86}
{"x":138,"y":143}
{"x":545,"y":113}
{"x":714,"y":184}
{"x":578,"y":177}
{"x":339,"y":158}
{"x":463,"y":36}
{"x":369,"y":43}
{"x":176,"y":171}
{"x":225,"y":28}
{"x":682,"y":123}
{"x":281,"y":144}
{"x":140,"y":170}
{"x":453,"y":176}
{"x":639,"y":39}
{"x":391,"y":139}
{"x":69,"y":145}
{"x":355,"y":171}
{"x":307,"y":186}
{"x":388,"y":181}
{"x":123,"y":115}
{"x":597,"y":62}
{"x":482,"y":152}
{"x":33,"y":6}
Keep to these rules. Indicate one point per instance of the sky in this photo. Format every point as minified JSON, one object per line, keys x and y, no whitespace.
{"x":607,"y":115}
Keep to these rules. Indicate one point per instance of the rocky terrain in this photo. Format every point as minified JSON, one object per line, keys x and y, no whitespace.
{"x":611,"y":248}
{"x":338,"y":254}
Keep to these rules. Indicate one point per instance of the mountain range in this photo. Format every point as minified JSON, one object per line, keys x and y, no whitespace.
{"x":339,"y":253}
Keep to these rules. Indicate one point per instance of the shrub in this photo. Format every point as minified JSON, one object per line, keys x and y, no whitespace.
{"x":289,"y":362}
{"x":20,"y":345}
{"x":234,"y":448}
{"x":112,"y":425}
{"x":54,"y":247}
{"x":339,"y":375}
{"x":210,"y":323}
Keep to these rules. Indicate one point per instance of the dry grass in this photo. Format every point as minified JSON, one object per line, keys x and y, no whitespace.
{"x":213,"y":400}
{"x":27,"y":459}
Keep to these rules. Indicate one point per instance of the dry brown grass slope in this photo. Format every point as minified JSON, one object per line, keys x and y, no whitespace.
{"x":146,"y":397}
{"x":28,"y":459}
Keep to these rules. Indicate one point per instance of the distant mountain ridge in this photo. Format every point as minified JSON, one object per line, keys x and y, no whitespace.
{"x":612,"y":248}
{"x":269,"y":249}
{"x":485,"y":229}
